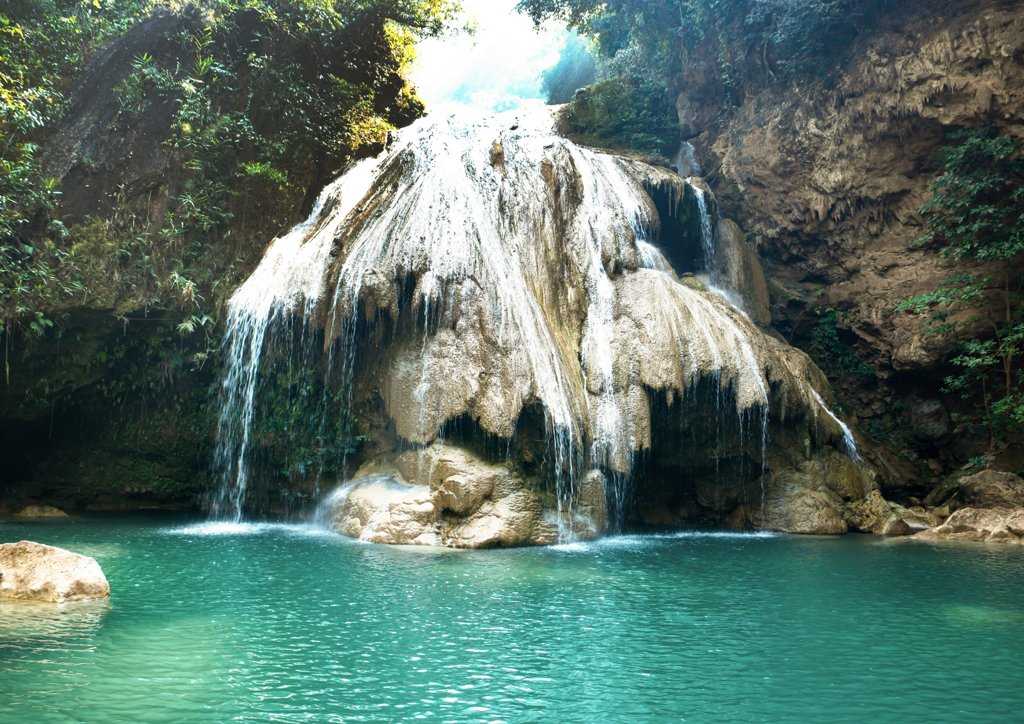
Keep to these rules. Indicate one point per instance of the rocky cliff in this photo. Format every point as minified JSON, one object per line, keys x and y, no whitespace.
{"x":826,"y":171}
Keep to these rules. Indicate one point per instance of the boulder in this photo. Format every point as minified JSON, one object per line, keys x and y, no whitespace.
{"x":988,"y":525}
{"x":384,"y":509}
{"x":36,"y":572}
{"x":876,"y":515}
{"x":40,"y":511}
{"x":791,"y":506}
{"x":985,"y":489}
{"x":446,"y":495}
{"x":992,"y":489}
{"x":895,"y":526}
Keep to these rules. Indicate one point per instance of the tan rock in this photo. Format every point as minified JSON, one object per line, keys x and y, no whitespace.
{"x":741,"y":268}
{"x":992,"y":489}
{"x":896,"y":526}
{"x":40,"y":511}
{"x":36,"y":572}
{"x":990,"y":525}
{"x":445,"y":495}
{"x":874,"y":514}
{"x":383,"y":509}
{"x":793,"y":506}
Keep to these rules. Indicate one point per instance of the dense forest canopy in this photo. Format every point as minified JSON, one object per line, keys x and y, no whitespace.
{"x":221,"y":78}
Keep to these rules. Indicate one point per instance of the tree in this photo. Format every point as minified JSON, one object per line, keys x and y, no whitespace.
{"x":975,"y":220}
{"x":576,"y":67}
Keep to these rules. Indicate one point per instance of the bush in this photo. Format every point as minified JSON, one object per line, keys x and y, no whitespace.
{"x":975,"y":220}
{"x":624,"y":113}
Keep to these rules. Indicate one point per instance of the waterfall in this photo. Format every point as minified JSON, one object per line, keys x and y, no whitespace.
{"x":291,"y":274}
{"x":494,"y":263}
{"x":848,"y":441}
{"x":651,"y":257}
{"x":707,"y":233}
{"x":686,"y":163}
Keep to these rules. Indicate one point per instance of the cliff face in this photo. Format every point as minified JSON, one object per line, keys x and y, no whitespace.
{"x":827,"y":173}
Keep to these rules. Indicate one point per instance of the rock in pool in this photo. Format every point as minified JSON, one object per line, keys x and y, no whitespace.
{"x":36,"y":572}
{"x":40,"y":511}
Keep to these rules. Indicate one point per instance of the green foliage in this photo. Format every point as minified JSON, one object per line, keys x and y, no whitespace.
{"x":267,"y":97}
{"x":293,"y":443}
{"x":624,"y":113}
{"x":834,"y":355}
{"x":576,"y":67}
{"x":658,"y":39}
{"x":975,"y":218}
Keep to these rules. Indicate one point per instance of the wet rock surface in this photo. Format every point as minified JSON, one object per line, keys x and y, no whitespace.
{"x":525,"y":299}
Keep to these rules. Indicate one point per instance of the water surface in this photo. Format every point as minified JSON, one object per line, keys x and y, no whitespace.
{"x":288,"y":623}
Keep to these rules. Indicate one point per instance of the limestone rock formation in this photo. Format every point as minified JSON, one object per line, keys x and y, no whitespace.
{"x":36,"y":572}
{"x":489,"y":275}
{"x":446,"y":495}
{"x":987,"y":525}
{"x":827,"y":171}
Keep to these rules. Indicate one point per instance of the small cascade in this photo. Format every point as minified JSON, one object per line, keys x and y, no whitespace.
{"x":686,"y":163}
{"x":707,"y":233}
{"x":651,"y":257}
{"x":290,"y":278}
{"x":848,"y":441}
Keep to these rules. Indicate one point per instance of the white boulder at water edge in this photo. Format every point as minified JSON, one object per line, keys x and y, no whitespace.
{"x":36,"y":572}
{"x":512,"y":319}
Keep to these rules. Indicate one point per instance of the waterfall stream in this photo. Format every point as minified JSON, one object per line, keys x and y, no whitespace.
{"x":525,"y":258}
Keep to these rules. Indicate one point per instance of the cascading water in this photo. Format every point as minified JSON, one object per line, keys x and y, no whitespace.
{"x":848,"y":441}
{"x":686,"y":163}
{"x":707,"y":233}
{"x":290,"y":277}
{"x":526,"y":266}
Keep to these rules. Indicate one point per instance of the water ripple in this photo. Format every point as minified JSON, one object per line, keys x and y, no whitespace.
{"x":288,"y":623}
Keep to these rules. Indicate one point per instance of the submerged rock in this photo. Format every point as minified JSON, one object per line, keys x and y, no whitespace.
{"x":40,"y":511}
{"x":36,"y":572}
{"x":987,"y":525}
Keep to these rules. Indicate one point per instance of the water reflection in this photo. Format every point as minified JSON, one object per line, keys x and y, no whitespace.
{"x":30,"y":620}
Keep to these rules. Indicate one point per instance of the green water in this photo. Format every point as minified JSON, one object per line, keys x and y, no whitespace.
{"x":290,"y":624}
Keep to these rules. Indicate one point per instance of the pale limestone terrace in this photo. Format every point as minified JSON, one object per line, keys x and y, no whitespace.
{"x":509,"y":268}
